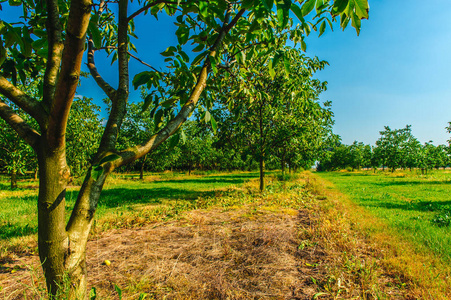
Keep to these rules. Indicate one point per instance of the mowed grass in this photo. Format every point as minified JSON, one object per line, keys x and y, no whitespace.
{"x":415,"y":205}
{"x":123,"y":195}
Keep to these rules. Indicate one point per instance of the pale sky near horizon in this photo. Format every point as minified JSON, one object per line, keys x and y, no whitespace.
{"x":397,"y":72}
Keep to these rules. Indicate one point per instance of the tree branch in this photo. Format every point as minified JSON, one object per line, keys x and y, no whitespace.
{"x":119,"y":101}
{"x":24,"y":101}
{"x":139,"y":151}
{"x":110,"y":91}
{"x":55,"y":50}
{"x":144,"y":63}
{"x":24,"y":130}
{"x":77,"y":25}
{"x":149,"y":5}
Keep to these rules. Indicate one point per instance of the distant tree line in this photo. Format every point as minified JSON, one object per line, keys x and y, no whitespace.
{"x":395,"y":149}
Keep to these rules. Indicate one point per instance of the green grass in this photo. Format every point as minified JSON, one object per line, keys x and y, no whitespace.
{"x":415,"y":206}
{"x":123,"y":195}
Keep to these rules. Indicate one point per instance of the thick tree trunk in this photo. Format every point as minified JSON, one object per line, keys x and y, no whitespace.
{"x":52,"y":236}
{"x":13,"y":179}
{"x":62,"y":249}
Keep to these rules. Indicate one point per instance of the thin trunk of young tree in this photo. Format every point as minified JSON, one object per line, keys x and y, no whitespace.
{"x":13,"y":179}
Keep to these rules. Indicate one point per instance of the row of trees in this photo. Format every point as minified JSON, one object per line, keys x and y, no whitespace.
{"x":396,"y":148}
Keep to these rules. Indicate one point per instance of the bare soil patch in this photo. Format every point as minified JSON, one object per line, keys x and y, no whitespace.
{"x":246,"y":253}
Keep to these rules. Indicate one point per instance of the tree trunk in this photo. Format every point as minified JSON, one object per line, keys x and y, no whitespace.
{"x":13,"y":179}
{"x":52,"y":236}
{"x":36,"y":173}
{"x":283,"y":168}
{"x":262,"y":173}
{"x":62,"y":249}
{"x":141,"y":170}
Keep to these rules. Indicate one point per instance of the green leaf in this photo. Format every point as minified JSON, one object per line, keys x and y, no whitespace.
{"x":286,"y":64}
{"x":199,"y":58}
{"x":339,"y":6}
{"x":283,"y":9}
{"x":175,"y":139}
{"x":267,"y":4}
{"x":361,"y":8}
{"x":320,"y":294}
{"x":214,"y":125}
{"x":141,"y":78}
{"x":93,"y":294}
{"x":322,"y":28}
{"x":298,"y":12}
{"x":96,"y":171}
{"x":272,"y":73}
{"x":199,"y":48}
{"x":142,"y":296}
{"x":158,"y":118}
{"x":303,"y":45}
{"x":356,"y":23}
{"x":95,"y":35}
{"x":183,"y":136}
{"x":207,"y":116}
{"x":15,"y":2}
{"x":184,"y":56}
{"x":147,"y":102}
{"x":119,"y":291}
{"x":308,"y":7}
{"x":109,"y":158}
{"x":169,"y":51}
{"x":213,"y":64}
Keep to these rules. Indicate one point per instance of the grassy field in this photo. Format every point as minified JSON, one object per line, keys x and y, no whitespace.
{"x":123,"y":195}
{"x":409,"y":211}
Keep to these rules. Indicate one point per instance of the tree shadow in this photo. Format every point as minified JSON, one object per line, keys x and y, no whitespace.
{"x":116,"y":197}
{"x":413,"y":205}
{"x":410,"y":182}
{"x":9,"y":230}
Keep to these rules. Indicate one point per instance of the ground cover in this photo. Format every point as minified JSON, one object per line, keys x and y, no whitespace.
{"x":409,"y":214}
{"x":123,"y":195}
{"x":226,"y":242}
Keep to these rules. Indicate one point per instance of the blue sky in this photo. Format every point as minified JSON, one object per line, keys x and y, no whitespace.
{"x":397,"y":72}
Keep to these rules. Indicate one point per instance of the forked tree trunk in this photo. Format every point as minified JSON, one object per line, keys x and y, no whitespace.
{"x":52,"y":236}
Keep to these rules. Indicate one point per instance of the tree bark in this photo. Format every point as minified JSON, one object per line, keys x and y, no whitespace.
{"x":141,"y":170}
{"x":52,"y":236}
{"x":262,"y":173}
{"x":13,"y":179}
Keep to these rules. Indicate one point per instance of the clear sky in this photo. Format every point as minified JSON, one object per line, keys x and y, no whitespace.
{"x":397,"y":72}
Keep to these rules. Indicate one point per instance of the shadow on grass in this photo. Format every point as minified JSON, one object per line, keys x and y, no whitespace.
{"x":410,"y":182}
{"x":116,"y":197}
{"x":412,"y":206}
{"x":14,"y":230}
